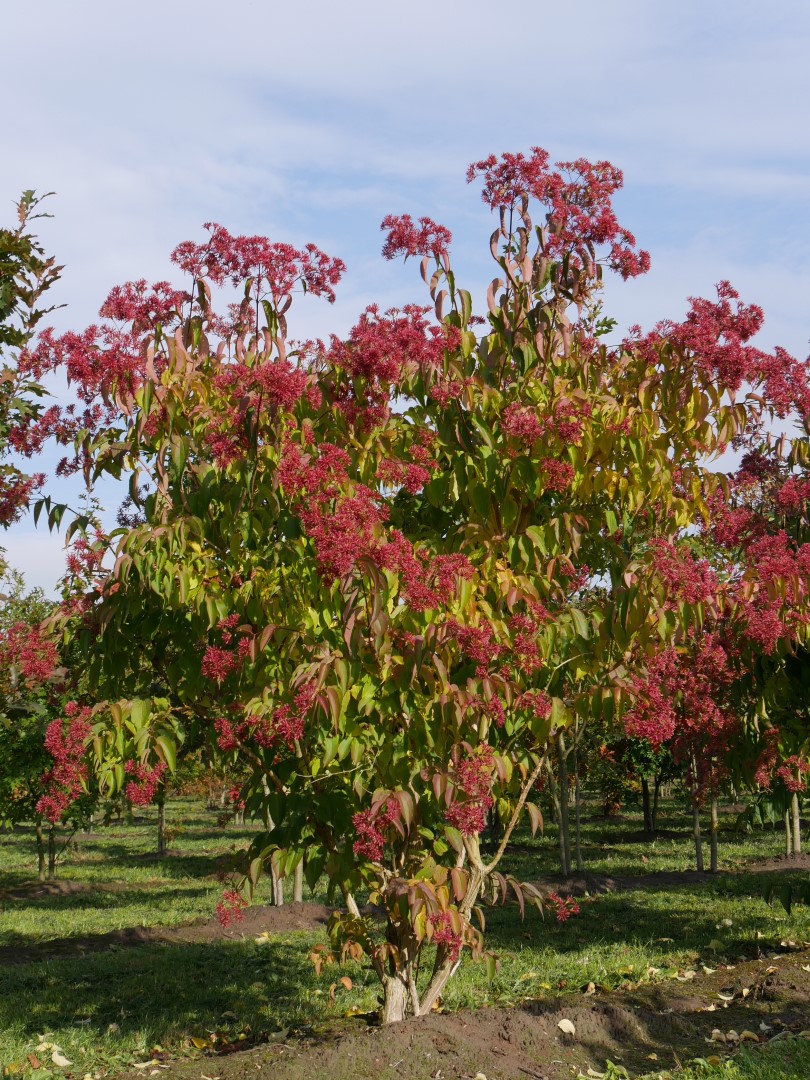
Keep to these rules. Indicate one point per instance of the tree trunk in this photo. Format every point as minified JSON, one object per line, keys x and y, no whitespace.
{"x":395,"y":999}
{"x":788,"y":839}
{"x":278,"y":886}
{"x":298,"y":884}
{"x":713,"y":836}
{"x":161,"y":823}
{"x":565,"y":831}
{"x":52,"y":853}
{"x":40,"y":852}
{"x":654,"y":814}
{"x":797,"y":825}
{"x":698,"y":837}
{"x":577,"y":814}
{"x":645,"y":802}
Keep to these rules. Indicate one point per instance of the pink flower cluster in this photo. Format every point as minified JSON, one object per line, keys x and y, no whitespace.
{"x":579,"y":206}
{"x":477,"y":643}
{"x":559,"y":475}
{"x":30,"y":650}
{"x":229,"y":909}
{"x":793,"y":773}
{"x":536,"y":702}
{"x":274,"y":268}
{"x":715,"y":335}
{"x":65,"y":741}
{"x":372,"y":827}
{"x":685,"y":579}
{"x":15,"y":494}
{"x":379,"y":351}
{"x":474,"y":778}
{"x":144,"y":783}
{"x":444,"y":934}
{"x":683,"y":700}
{"x":563,"y":906}
{"x":406,"y":238}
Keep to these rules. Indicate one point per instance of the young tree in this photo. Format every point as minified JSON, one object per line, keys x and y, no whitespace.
{"x":363,"y":564}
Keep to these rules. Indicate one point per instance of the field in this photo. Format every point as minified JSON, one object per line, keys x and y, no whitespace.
{"x":120,"y":966}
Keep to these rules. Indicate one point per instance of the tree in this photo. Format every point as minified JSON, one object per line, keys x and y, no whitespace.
{"x":26,"y":273}
{"x":368,"y":565}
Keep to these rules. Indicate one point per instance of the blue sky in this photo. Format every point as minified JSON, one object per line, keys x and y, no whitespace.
{"x":311,"y":121}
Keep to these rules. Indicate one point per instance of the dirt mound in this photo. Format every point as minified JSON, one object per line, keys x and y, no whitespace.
{"x":256,"y":920}
{"x":655,"y":1026}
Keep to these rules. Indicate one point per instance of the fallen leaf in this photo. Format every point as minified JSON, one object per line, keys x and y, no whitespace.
{"x":34,"y":1061}
{"x":717,"y":1036}
{"x":714,"y":1061}
{"x":200,"y":1044}
{"x":346,"y":982}
{"x":60,"y":1060}
{"x":748,"y":1036}
{"x":590,"y":989}
{"x":566,"y":1026}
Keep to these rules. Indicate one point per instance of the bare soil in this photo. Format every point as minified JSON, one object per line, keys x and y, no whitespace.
{"x":256,"y":920}
{"x":654,"y":1026}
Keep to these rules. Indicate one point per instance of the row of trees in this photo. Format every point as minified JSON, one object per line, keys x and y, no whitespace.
{"x":394,"y":576}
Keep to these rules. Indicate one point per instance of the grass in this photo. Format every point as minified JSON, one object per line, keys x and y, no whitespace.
{"x":786,"y":1059}
{"x":105,"y":1010}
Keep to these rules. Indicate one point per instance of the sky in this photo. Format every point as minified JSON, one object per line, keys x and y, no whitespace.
{"x":309,"y":122}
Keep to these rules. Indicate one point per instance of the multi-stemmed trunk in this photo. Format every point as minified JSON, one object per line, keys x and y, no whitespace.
{"x":400,"y":993}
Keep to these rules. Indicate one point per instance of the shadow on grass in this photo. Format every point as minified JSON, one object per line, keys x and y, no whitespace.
{"x":164,"y":991}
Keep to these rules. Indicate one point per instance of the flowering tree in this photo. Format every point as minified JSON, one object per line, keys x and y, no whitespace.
{"x":26,"y":273}
{"x":365,"y":567}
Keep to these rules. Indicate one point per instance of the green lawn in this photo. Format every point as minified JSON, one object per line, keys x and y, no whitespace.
{"x":107,"y":1009}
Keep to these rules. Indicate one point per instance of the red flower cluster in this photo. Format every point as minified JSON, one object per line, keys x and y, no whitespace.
{"x":379,"y":351}
{"x":372,"y":826}
{"x":410,"y":477}
{"x":229,"y":909}
{"x":28,"y":649}
{"x":578,"y":200}
{"x":66,"y":745}
{"x":715,"y":336}
{"x":477,"y":643}
{"x":536,"y":702}
{"x":684,"y":578}
{"x":15,"y":494}
{"x":144,"y":783}
{"x":274,"y":268}
{"x":474,"y":776}
{"x":406,"y":238}
{"x":683,"y":699}
{"x":559,"y":474}
{"x":444,"y":934}
{"x":218,"y":664}
{"x":521,"y":423}
{"x":564,"y":906}
{"x":793,"y":772}
{"x":145,"y":306}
